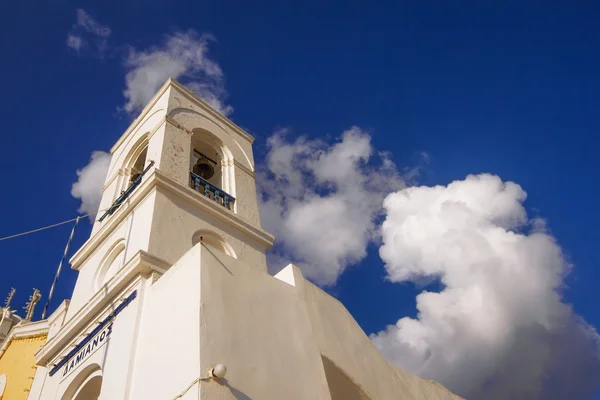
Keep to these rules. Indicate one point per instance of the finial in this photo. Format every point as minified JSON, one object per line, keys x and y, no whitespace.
{"x":30,"y":306}
{"x":11,"y":294}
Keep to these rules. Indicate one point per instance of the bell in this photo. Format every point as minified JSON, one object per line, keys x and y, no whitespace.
{"x":203,"y":169}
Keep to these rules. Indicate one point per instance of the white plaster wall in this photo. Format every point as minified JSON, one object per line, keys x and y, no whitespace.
{"x":119,"y":350}
{"x":168,"y":353}
{"x":175,"y":221}
{"x":135,"y":230}
{"x":83,"y":290}
{"x":148,"y":123}
{"x":255,"y":325}
{"x":174,"y":159}
{"x":341,"y":339}
{"x":113,"y":356}
{"x":246,"y":197}
{"x":57,"y":319}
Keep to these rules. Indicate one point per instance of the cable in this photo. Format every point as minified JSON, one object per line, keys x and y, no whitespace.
{"x":59,"y":268}
{"x":50,"y":226}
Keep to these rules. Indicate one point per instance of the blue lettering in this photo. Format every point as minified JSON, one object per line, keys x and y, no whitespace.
{"x":102,"y":335}
{"x":95,"y":342}
{"x":109,"y":330}
{"x":72,"y":364}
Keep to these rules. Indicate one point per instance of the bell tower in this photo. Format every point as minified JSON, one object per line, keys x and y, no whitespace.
{"x":180,"y":173}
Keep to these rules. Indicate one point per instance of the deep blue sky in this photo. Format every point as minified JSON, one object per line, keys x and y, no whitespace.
{"x":509,"y":89}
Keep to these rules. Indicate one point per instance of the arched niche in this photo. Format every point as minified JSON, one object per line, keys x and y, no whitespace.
{"x":193,"y":120}
{"x":214,"y":241}
{"x":135,"y":162}
{"x":87,"y":385}
{"x":110,"y":264}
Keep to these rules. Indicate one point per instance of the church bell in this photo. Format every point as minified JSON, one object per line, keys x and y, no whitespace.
{"x":204,"y":167}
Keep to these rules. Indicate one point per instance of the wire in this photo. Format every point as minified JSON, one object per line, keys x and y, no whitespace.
{"x":50,"y":226}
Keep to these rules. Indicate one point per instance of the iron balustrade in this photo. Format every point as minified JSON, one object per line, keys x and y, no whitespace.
{"x":209,"y":190}
{"x":125,"y":194}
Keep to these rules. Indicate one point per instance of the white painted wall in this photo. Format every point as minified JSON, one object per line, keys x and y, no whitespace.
{"x":168,"y":353}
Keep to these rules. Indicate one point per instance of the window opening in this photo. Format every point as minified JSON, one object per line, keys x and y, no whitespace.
{"x":138,"y":166}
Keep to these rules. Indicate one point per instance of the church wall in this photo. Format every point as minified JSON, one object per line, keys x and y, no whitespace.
{"x":174,"y":159}
{"x":119,"y":350}
{"x":150,"y":124}
{"x":247,"y":206}
{"x":342,"y":341}
{"x":256,"y":326}
{"x":168,"y":354}
{"x":113,"y":357}
{"x":134,"y":230}
{"x":175,"y":221}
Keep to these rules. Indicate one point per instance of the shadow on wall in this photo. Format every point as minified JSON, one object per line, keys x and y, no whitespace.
{"x":341,"y":386}
{"x":238,"y":394}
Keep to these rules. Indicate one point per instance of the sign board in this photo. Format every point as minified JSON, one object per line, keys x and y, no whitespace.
{"x":85,"y":351}
{"x":91,"y":341}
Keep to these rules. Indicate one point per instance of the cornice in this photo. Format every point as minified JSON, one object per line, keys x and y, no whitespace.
{"x":156,"y":180}
{"x":210,"y":207}
{"x":244,"y":168}
{"x":141,"y":264}
{"x":208,"y":108}
{"x":29,"y":330}
{"x":191,"y":96}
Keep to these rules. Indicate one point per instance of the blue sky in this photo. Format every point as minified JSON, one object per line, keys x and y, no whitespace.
{"x":507,"y":89}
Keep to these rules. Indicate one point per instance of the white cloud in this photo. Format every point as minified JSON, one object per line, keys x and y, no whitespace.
{"x":184,"y":56}
{"x":498,"y":329}
{"x":88,"y":33}
{"x":88,"y":187}
{"x":85,"y":21}
{"x":322,"y":201}
{"x":74,"y":42}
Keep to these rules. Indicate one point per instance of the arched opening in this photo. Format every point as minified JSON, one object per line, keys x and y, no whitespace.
{"x":214,"y":241}
{"x":211,"y":171}
{"x":87,"y":385}
{"x":207,"y":160}
{"x":90,"y":389}
{"x":111,"y":264}
{"x":138,"y":165}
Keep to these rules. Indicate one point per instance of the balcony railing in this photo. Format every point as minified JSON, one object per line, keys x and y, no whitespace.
{"x":125,"y":194}
{"x":211,"y":191}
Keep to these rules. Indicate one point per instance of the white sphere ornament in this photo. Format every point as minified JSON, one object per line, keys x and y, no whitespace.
{"x":219,"y":371}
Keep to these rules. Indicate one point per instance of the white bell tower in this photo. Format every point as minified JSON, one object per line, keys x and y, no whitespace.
{"x":160,"y":206}
{"x":181,"y":174}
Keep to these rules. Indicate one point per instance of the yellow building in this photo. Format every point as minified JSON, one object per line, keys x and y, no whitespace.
{"x":17,"y":359}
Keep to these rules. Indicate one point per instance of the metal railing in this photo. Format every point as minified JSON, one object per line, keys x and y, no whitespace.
{"x":125,"y":194}
{"x":209,"y":190}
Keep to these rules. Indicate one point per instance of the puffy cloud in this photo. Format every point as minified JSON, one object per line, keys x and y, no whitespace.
{"x":498,"y":329}
{"x":88,"y":187}
{"x":322,"y":201}
{"x":87,"y":32}
{"x":74,"y":42}
{"x":183,"y":55}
